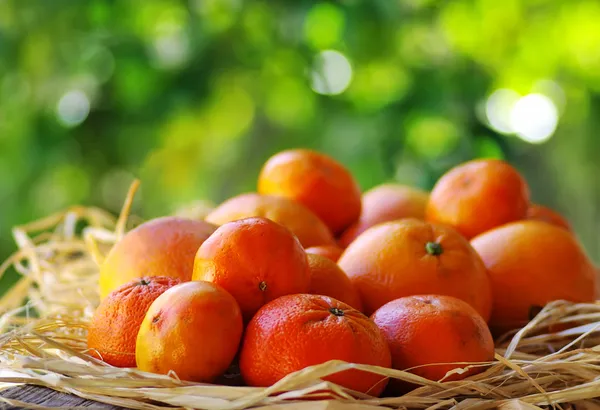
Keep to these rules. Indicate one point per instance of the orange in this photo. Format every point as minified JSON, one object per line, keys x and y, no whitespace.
{"x":254,"y":259}
{"x":477,"y":196}
{"x":297,"y":331}
{"x":326,"y":278}
{"x":385,"y":203}
{"x":545,"y":214}
{"x":116,"y":321}
{"x":332,"y":252}
{"x":309,"y":229}
{"x":530,"y":264}
{"x":430,"y":335}
{"x":160,"y":247}
{"x":410,"y":257}
{"x":193,"y":329}
{"x":316,"y":180}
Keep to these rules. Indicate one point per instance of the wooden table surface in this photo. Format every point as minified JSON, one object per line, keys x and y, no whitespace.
{"x":21,"y":396}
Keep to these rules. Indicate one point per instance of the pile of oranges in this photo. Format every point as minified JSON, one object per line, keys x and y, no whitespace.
{"x":310,"y":269}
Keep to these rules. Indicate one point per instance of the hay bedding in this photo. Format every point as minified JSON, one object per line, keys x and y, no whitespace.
{"x":43,"y":320}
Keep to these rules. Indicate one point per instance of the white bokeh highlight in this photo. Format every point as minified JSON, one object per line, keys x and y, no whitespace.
{"x":73,"y":108}
{"x":534,"y":118}
{"x":332,"y":74}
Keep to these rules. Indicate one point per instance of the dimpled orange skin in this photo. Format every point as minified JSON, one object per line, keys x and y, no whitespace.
{"x":429,"y":329}
{"x":385,"y":203}
{"x":193,"y":329}
{"x":332,"y":252}
{"x":545,"y":214}
{"x":316,"y":180}
{"x":116,"y":321}
{"x":309,"y":229}
{"x":328,"y":279}
{"x":477,"y":196}
{"x":160,"y":247}
{"x":530,"y":264}
{"x":254,"y":259}
{"x":296,"y":331}
{"x":391,"y":260}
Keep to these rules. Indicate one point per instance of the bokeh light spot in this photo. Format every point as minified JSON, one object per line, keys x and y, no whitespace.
{"x":534,"y":118}
{"x":498,"y":109}
{"x":332,"y":73}
{"x":323,"y":25}
{"x":432,"y":137}
{"x":73,"y":108}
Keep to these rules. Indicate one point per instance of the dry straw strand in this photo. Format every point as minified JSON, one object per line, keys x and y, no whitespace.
{"x":45,"y":314}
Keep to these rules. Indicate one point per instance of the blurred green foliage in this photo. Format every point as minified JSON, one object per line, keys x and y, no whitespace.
{"x":193,"y":96}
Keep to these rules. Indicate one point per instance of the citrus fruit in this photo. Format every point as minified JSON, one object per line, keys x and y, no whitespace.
{"x":543,"y":213}
{"x":410,"y":257}
{"x":477,"y":196}
{"x":332,"y":252}
{"x":309,"y":229}
{"x":316,"y":180}
{"x":384,"y":203}
{"x":530,"y":264}
{"x":193,"y":329}
{"x":163,"y":246}
{"x":254,"y":259}
{"x":327,"y":279}
{"x":296,"y":331}
{"x":430,"y":335}
{"x":116,"y":321}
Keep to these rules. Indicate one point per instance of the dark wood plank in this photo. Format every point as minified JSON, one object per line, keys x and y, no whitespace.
{"x":43,"y":396}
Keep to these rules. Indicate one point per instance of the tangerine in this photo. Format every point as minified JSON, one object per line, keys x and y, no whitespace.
{"x":309,"y":229}
{"x":296,"y":331}
{"x":332,"y":252}
{"x":545,"y":214}
{"x":254,"y":259}
{"x":477,"y":196}
{"x":531,"y":263}
{"x":328,"y":279}
{"x":430,"y":335}
{"x":315,"y":180}
{"x":384,"y":203}
{"x":117,"y":319}
{"x":411,"y":257}
{"x":193,"y":329}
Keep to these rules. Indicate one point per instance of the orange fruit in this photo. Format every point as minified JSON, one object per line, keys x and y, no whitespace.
{"x":543,"y":213}
{"x":309,"y":229}
{"x":385,"y":203}
{"x":254,"y":259}
{"x":193,"y":329}
{"x":297,"y":331}
{"x":436,"y":332}
{"x":477,"y":196}
{"x":116,"y":321}
{"x":411,"y":257}
{"x":530,"y":264}
{"x":327,"y":279}
{"x":316,"y":180}
{"x":332,"y":252}
{"x":160,"y":247}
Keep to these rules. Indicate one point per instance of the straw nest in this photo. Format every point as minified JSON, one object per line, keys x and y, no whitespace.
{"x":44,"y":316}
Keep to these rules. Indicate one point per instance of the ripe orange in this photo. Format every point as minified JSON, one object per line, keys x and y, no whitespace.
{"x":436,"y":332}
{"x":296,"y":331}
{"x":385,"y":203}
{"x":160,"y":247}
{"x":316,"y":180}
{"x":309,"y":229}
{"x":411,"y":257}
{"x":193,"y":329}
{"x":332,"y":252}
{"x":530,"y":264}
{"x":477,"y":196}
{"x":545,"y":214}
{"x":116,"y":321}
{"x":254,"y":259}
{"x":327,"y":279}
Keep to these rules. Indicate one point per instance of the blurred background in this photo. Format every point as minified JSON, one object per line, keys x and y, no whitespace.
{"x":192,"y":96}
